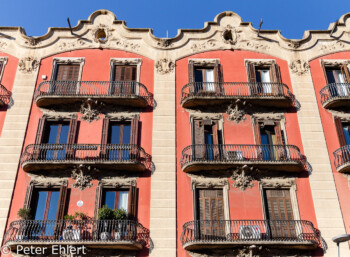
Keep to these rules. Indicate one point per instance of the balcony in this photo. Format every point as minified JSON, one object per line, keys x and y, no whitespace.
{"x":214,"y":234}
{"x":196,"y":158}
{"x":215,"y":93}
{"x":125,"y":157}
{"x":335,"y":95}
{"x":120,"y":93}
{"x":107,"y":234}
{"x":5,"y":96}
{"x":342,"y":159}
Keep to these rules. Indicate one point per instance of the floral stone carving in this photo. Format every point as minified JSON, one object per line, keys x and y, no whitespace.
{"x":237,"y":111}
{"x":242,"y":180}
{"x":28,"y":64}
{"x":164,"y":66}
{"x":82,"y":180}
{"x":300,"y":67}
{"x":90,"y":110}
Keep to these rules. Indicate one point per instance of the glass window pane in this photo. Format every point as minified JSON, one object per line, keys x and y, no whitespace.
{"x":53,"y":129}
{"x":109,"y":199}
{"x":40,"y":207}
{"x":126,"y":134}
{"x":198,"y":75}
{"x":53,"y":205}
{"x":64,"y":134}
{"x":265,"y":76}
{"x":115,"y":134}
{"x":209,"y":75}
{"x":123,"y":200}
{"x":340,"y":76}
{"x":346,"y":134}
{"x":330,"y":76}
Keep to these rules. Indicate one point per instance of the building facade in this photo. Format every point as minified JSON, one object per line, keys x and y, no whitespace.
{"x":221,"y":141}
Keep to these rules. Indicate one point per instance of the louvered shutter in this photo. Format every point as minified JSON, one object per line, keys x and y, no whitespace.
{"x":28,"y":197}
{"x":67,"y":72}
{"x":280,"y":208}
{"x":98,"y":199}
{"x":130,"y":79}
{"x":132,"y":203}
{"x":215,"y":146}
{"x":345,"y":72}
{"x":252,"y":79}
{"x":104,"y":136}
{"x":72,"y":134}
{"x":340,"y":132}
{"x":39,"y":137}
{"x":218,"y":78}
{"x":281,"y":151}
{"x":190,"y":72}
{"x":257,"y":133}
{"x":62,"y":203}
{"x":199,"y":139}
{"x":134,"y":138}
{"x":276,"y":78}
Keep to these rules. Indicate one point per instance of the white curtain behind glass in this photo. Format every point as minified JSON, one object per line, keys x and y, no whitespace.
{"x":209,"y":77}
{"x":123,"y":200}
{"x":265,"y":77}
{"x":342,"y":88}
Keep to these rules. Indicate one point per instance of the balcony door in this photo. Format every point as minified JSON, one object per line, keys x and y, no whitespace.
{"x":204,"y":80}
{"x":119,"y":133}
{"x":280,"y":214}
{"x":56,"y":133}
{"x":337,"y":81}
{"x":123,"y":80}
{"x":66,"y":79}
{"x":210,"y":214}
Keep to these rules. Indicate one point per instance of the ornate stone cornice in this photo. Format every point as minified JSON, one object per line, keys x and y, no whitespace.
{"x":202,"y":181}
{"x":334,"y":62}
{"x":126,"y":61}
{"x":205,"y":116}
{"x":73,"y":44}
{"x":259,"y":62}
{"x":44,"y":181}
{"x":204,"y":62}
{"x":117,"y":182}
{"x":28,"y":64}
{"x":126,"y":44}
{"x":164,"y":66}
{"x":69,"y":60}
{"x":268,"y":116}
{"x":300,"y":67}
{"x":55,"y":115}
{"x":277,"y":182}
{"x":122,"y":116}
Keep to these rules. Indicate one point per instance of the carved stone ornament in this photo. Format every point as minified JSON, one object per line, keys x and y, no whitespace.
{"x":260,"y":62}
{"x":126,"y":61}
{"x":294,"y":44}
{"x":53,"y":114}
{"x":334,"y":63}
{"x":204,"y":62}
{"x":101,"y":33}
{"x":332,"y":47}
{"x":242,"y":179}
{"x":277,"y":182}
{"x":268,"y":116}
{"x":122,"y":116}
{"x":252,"y":45}
{"x":3,"y":45}
{"x":71,"y":45}
{"x":237,"y":111}
{"x":300,"y":67}
{"x":205,"y":116}
{"x":126,"y":44}
{"x":44,"y":181}
{"x":82,"y":179}
{"x":28,"y":64}
{"x":164,"y":66}
{"x":202,"y":181}
{"x":164,"y":42}
{"x":210,"y":44}
{"x":90,"y":110}
{"x":230,"y":35}
{"x":31,"y":41}
{"x":117,"y":182}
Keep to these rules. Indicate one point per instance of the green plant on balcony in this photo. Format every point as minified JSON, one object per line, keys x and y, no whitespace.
{"x":24,"y":213}
{"x":106,"y":213}
{"x":69,"y":217}
{"x":120,"y":214}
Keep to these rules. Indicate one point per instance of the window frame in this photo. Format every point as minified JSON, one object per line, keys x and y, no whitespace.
{"x":125,"y":62}
{"x":3,"y":60}
{"x":67,"y":60}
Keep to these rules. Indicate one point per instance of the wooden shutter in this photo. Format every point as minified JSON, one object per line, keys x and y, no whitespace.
{"x":40,"y":130}
{"x":28,"y":197}
{"x":130,"y":73}
{"x":257,"y":133}
{"x":104,"y":137}
{"x":190,"y":72}
{"x":134,"y":131}
{"x":278,"y":132}
{"x":132,"y":202}
{"x":215,"y":140}
{"x":251,"y":73}
{"x":279,"y":204}
{"x":275,"y":73}
{"x":340,"y":132}
{"x":344,"y":70}
{"x":324,"y":72}
{"x":67,"y":72}
{"x":98,"y":199}
{"x":72,"y":132}
{"x":199,"y":138}
{"x":62,"y":203}
{"x":218,"y":78}
{"x":117,"y":76}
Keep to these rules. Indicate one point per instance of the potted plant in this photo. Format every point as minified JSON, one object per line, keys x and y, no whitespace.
{"x":24,"y":214}
{"x":107,"y":215}
{"x":120,"y":216}
{"x":69,"y":233}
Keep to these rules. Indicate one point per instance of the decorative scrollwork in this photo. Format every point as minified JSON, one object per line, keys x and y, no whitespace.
{"x":28,"y":64}
{"x":300,"y":67}
{"x":90,"y":110}
{"x":237,"y":111}
{"x":164,"y":66}
{"x":82,"y":180}
{"x":204,"y":46}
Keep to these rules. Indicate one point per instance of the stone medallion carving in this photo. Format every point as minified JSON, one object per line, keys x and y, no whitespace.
{"x":164,"y":66}
{"x":210,"y":44}
{"x":230,"y":35}
{"x":294,"y":44}
{"x":126,"y":44}
{"x":90,"y":110}
{"x":164,"y":42}
{"x":300,"y":67}
{"x":28,"y":64}
{"x":83,"y":176}
{"x":31,"y":41}
{"x":237,"y":111}
{"x":242,"y":178}
{"x":101,"y":33}
{"x":72,"y":45}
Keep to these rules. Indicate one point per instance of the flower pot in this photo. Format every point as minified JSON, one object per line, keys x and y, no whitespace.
{"x":71,"y":234}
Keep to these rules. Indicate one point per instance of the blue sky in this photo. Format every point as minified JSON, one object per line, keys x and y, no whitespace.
{"x":291,"y":17}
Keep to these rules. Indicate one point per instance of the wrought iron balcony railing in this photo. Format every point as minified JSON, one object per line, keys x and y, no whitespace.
{"x":128,"y":93}
{"x":205,"y":156}
{"x":335,"y":95}
{"x":342,"y":159}
{"x":205,"y":233}
{"x":127,"y":234}
{"x":198,"y":93}
{"x":36,"y":156}
{"x":5,"y":95}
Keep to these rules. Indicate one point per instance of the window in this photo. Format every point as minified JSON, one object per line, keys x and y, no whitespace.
{"x":279,"y":208}
{"x":337,"y":77}
{"x":124,"y":197}
{"x":271,"y":137}
{"x":343,"y":131}
{"x":120,"y":139}
{"x":264,"y":78}
{"x":61,"y":133}
{"x":3,"y":61}
{"x":124,"y":78}
{"x":205,"y":79}
{"x":207,"y":139}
